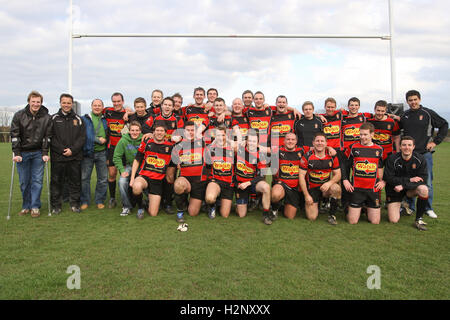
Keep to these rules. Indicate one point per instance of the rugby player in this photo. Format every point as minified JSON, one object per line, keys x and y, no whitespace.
{"x":366,"y":160}
{"x":319,"y":178}
{"x":285,"y":184}
{"x":219,"y":171}
{"x":151,"y":165}
{"x":406,"y":173}
{"x":307,"y":126}
{"x":115,"y":121}
{"x":140,"y":115}
{"x":250,"y":176}
{"x":188,"y":156}
{"x":282,"y":121}
{"x":155,"y":105}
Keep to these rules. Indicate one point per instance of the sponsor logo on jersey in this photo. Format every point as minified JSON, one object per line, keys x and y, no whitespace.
{"x":222,"y":166}
{"x":366,"y":166}
{"x":196,"y":119}
{"x":281,"y":128}
{"x":116,"y":126}
{"x":155,"y":162}
{"x":258,"y":124}
{"x":351,"y":132}
{"x":289,"y":169}
{"x":191,"y":157}
{"x":319,"y":175}
{"x":330,"y":130}
{"x":241,"y":166}
{"x":243,"y":130}
{"x":381,"y":137}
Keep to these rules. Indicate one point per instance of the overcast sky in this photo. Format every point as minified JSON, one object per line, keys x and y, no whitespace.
{"x":34,"y":50}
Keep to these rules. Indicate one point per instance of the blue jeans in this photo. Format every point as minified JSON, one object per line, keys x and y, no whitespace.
{"x":87,"y":165}
{"x":411,"y":201}
{"x":31,"y":172}
{"x":124,"y":187}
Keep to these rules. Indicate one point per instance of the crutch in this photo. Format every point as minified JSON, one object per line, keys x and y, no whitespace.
{"x":11,"y":189}
{"x":48,"y":190}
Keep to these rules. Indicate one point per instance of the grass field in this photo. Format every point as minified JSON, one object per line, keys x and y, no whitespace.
{"x":124,"y":258}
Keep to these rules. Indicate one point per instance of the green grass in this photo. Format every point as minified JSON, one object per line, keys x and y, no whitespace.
{"x":124,"y":258}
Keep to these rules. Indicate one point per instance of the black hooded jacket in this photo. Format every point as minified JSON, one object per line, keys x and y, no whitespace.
{"x":30,"y":132}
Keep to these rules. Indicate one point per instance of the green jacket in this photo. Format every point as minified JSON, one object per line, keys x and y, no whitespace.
{"x":126,"y":147}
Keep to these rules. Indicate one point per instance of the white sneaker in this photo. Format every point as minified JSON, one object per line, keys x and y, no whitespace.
{"x":431,"y":214}
{"x":125,"y":212}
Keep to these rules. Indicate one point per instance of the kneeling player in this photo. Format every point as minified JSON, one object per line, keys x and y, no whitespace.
{"x":219,"y":170}
{"x":319,"y":178}
{"x":406,"y":174}
{"x":366,"y":159}
{"x":286,"y":181}
{"x":152,"y":162}
{"x":188,"y":155}
{"x":250,"y":176}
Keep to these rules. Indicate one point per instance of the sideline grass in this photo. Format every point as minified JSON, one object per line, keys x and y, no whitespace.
{"x":124,"y":258}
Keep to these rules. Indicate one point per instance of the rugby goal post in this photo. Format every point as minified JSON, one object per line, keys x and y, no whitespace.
{"x":388,"y":37}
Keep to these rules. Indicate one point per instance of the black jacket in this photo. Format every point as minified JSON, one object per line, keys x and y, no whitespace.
{"x":68,"y":131}
{"x":398,"y":171}
{"x":420,"y":125}
{"x":30,"y":133}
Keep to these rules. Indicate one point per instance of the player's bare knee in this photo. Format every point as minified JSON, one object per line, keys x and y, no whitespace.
{"x":422,"y":191}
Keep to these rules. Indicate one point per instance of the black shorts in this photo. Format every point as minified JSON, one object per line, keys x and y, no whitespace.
{"x":226,"y":191}
{"x":154,"y":186}
{"x":198,"y":188}
{"x":291,"y":196}
{"x":367,"y":198}
{"x":316,"y":194}
{"x":243,"y":195}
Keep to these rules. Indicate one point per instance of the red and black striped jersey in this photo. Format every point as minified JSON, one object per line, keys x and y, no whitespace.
{"x":289,"y":166}
{"x":219,"y":164}
{"x":318,"y":170}
{"x":350,"y":129}
{"x":154,"y":158}
{"x":172,"y":123}
{"x":242,"y":123}
{"x":115,"y":122}
{"x":213,"y":124}
{"x":385,"y":130}
{"x":332,"y":130}
{"x":281,"y":124}
{"x":189,"y":155}
{"x":260,"y":122}
{"x":196,"y":114}
{"x":365,"y":161}
{"x":248,"y":165}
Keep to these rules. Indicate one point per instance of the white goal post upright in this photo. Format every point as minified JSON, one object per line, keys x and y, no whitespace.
{"x":260,"y":36}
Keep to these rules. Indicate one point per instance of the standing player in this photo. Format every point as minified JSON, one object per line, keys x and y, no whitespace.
{"x":285,"y":184}
{"x":188,"y":156}
{"x":406,"y":174}
{"x":177,"y":105}
{"x":282,"y":122}
{"x":115,"y":120}
{"x":319,"y":178}
{"x":239,"y":122}
{"x":250,"y":176}
{"x":196,"y":112}
{"x":155,"y":105}
{"x":219,"y":171}
{"x":150,"y":167}
{"x":215,"y":121}
{"x":140,"y":115}
{"x":366,"y":160}
{"x":247,"y":99}
{"x":307,"y":126}
{"x":387,"y":130}
{"x":211,"y":96}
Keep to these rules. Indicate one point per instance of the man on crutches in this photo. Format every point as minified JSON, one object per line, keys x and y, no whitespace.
{"x":30,"y":137}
